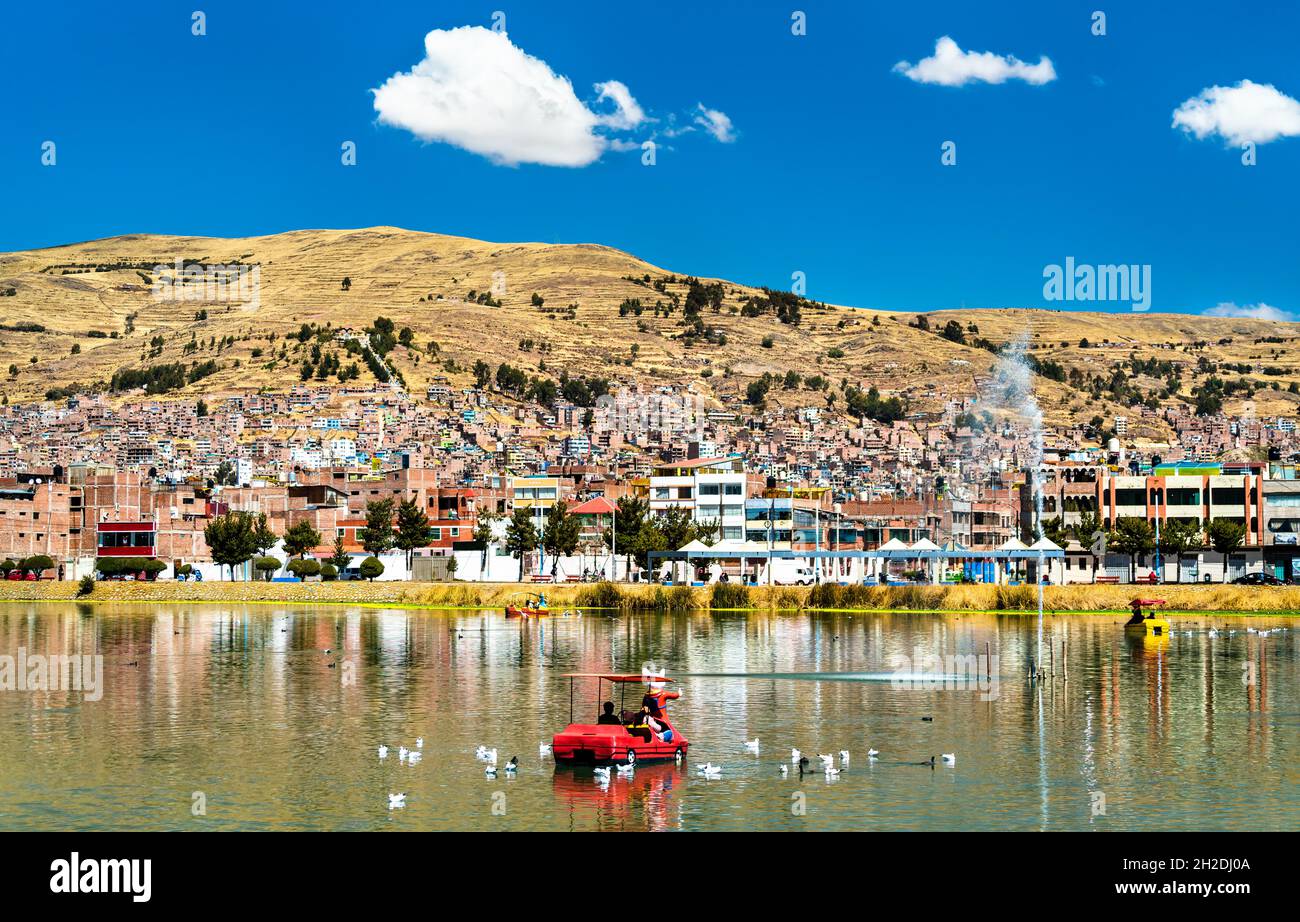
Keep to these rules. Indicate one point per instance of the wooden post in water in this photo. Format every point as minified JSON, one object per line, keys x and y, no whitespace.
{"x":1065,"y":662}
{"x":1051,"y":660}
{"x":988,"y":660}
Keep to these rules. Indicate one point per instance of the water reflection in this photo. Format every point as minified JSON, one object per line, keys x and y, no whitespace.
{"x":274,"y":714}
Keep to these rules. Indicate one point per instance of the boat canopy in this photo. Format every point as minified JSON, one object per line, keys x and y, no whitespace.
{"x":616,"y":677}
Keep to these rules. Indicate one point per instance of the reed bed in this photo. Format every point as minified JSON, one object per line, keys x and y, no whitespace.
{"x":642,"y":597}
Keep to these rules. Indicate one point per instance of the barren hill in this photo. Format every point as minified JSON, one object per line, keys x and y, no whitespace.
{"x":79,"y":314}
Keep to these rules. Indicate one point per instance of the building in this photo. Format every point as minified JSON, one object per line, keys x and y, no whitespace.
{"x":712,"y":490}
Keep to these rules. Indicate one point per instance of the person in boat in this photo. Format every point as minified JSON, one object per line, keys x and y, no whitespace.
{"x":661,"y":731}
{"x":644,"y":725}
{"x":541,"y":602}
{"x":609,"y":717}
{"x":638,"y":724}
{"x":1138,"y":615}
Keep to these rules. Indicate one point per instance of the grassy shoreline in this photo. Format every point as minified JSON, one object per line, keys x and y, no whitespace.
{"x":1061,"y":600}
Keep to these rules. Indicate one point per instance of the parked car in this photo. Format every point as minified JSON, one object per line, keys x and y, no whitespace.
{"x":1259,"y":579}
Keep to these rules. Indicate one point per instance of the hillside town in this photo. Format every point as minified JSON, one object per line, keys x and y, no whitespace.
{"x":761,"y":494}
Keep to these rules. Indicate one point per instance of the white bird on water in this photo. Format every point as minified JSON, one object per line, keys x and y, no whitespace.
{"x":543,"y":749}
{"x":402,"y":753}
{"x":826,"y":759}
{"x":627,"y":769}
{"x":784,"y":771}
{"x":709,"y":770}
{"x":491,"y":770}
{"x":752,"y":745}
{"x":413,"y":757}
{"x":383,"y":752}
{"x":950,"y":758}
{"x":513,"y":765}
{"x":602,"y":773}
{"x":419,"y":742}
{"x":831,"y":771}
{"x":844,"y":757}
{"x":396,"y":801}
{"x":872,"y":753}
{"x":795,"y":756}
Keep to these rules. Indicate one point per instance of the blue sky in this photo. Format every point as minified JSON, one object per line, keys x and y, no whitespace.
{"x":832,"y":167}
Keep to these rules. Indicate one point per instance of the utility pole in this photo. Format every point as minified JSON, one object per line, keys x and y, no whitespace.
{"x":1160,"y":576}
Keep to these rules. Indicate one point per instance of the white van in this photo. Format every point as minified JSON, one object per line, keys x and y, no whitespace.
{"x":786,"y":572}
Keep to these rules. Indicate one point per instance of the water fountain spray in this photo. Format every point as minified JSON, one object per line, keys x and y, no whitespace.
{"x":1015,"y":381}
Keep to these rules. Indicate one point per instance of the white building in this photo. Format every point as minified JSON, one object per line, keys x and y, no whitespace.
{"x":712,"y":489}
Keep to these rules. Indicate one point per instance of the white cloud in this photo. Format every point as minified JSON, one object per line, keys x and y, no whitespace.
{"x":477,"y":91}
{"x":715,"y":123}
{"x":1249,"y":111}
{"x":1249,"y":311}
{"x":950,"y":66}
{"x":628,"y":112}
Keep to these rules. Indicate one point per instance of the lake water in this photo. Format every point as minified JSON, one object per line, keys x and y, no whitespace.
{"x":236,"y":710}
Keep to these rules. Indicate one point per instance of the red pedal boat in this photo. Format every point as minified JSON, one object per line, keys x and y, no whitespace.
{"x":526,"y":612}
{"x":534,"y":607}
{"x":628,"y":740}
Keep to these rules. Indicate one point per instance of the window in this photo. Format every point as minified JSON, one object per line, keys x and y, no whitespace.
{"x":709,"y":489}
{"x":435,"y":534}
{"x":454,"y":532}
{"x":734,"y":489}
{"x":1228,"y":496}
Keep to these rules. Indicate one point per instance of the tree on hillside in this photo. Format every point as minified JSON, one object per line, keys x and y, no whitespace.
{"x":412,"y":529}
{"x":377,"y":536}
{"x":231,"y":540}
{"x":1226,"y":537}
{"x":1132,"y":536}
{"x":521,"y":537}
{"x":301,"y":538}
{"x":1180,"y":537}
{"x":225,"y":475}
{"x":560,"y":535}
